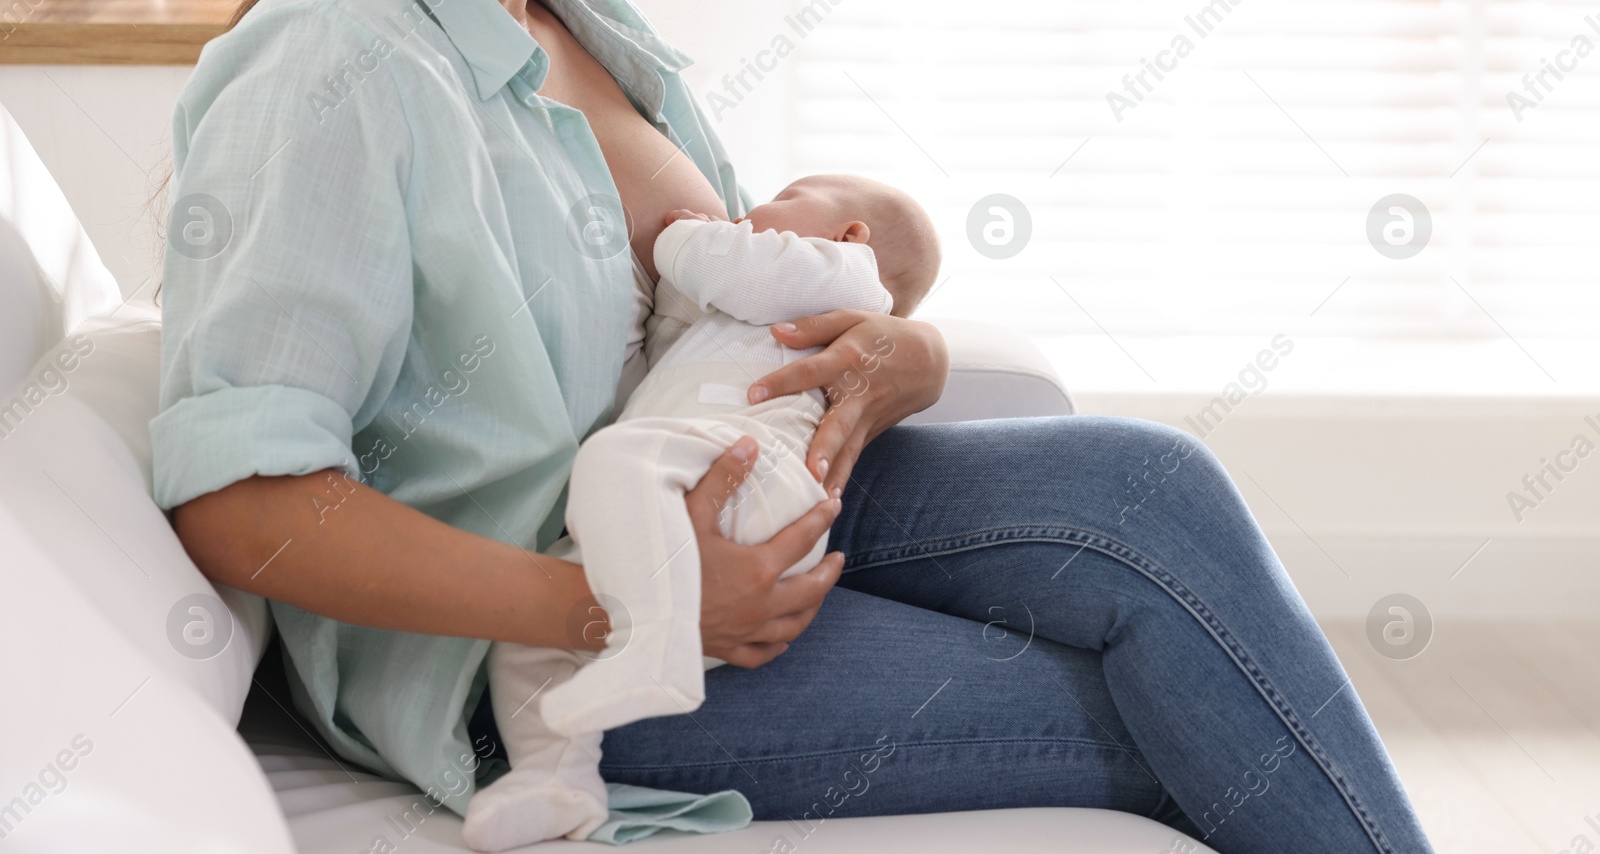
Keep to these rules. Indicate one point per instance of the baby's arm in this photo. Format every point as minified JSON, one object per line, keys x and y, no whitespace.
{"x":767,"y":277}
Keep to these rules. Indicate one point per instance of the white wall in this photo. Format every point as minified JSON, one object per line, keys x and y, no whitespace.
{"x":105,"y":134}
{"x":1364,"y":496}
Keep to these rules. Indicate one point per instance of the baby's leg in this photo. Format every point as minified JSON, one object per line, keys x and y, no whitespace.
{"x":554,"y":787}
{"x":626,"y":510}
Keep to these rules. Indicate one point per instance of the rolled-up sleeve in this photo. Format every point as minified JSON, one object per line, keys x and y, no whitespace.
{"x":287,"y":286}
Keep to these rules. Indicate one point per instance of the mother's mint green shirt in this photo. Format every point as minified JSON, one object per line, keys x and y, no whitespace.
{"x":389,"y":254}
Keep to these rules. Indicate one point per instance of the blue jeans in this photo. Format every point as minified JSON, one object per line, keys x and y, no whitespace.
{"x":1047,"y":612}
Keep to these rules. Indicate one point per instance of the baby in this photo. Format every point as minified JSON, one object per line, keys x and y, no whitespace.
{"x":825,"y":242}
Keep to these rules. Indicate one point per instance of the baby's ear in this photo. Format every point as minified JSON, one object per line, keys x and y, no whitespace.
{"x":854,"y":232}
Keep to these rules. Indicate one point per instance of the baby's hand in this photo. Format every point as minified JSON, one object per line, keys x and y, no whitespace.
{"x":681,"y":213}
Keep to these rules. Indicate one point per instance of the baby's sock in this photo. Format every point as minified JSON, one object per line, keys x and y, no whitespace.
{"x":553,"y":789}
{"x":649,"y":670}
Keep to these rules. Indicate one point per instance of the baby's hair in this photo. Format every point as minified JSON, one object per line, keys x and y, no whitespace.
{"x":912,"y":238}
{"x":905,"y":241}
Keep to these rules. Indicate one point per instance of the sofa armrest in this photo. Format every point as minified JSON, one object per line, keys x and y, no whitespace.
{"x":994,"y":373}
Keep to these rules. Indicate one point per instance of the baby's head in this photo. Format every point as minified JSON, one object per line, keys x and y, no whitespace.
{"x":852,"y":209}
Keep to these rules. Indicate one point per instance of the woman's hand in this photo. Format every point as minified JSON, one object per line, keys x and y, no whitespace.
{"x":748,"y":615}
{"x":877,"y":370}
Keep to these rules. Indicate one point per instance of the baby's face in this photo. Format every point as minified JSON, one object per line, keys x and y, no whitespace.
{"x":810,"y":207}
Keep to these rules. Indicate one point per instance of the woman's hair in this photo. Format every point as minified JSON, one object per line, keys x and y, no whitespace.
{"x":244,"y":6}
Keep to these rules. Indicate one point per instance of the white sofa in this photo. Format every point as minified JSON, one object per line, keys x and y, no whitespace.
{"x":129,"y":673}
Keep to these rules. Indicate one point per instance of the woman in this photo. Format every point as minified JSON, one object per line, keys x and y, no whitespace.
{"x":401,"y":237}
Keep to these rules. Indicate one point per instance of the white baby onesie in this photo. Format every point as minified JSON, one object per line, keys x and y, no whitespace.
{"x":706,"y":339}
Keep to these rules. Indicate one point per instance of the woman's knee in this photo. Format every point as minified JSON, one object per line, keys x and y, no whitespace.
{"x":1181,"y":508}
{"x":1164,"y":454}
{"x":1120,"y":454}
{"x":1143,"y":483}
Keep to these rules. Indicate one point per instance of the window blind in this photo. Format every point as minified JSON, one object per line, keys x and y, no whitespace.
{"x":1228,"y":190}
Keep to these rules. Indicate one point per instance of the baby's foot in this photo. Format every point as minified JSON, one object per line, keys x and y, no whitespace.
{"x":525,"y":808}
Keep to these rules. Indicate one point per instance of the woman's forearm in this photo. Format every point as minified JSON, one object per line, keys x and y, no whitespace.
{"x":335,"y":547}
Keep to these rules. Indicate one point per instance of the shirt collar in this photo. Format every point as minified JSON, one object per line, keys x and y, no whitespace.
{"x":495,"y":47}
{"x":489,"y":39}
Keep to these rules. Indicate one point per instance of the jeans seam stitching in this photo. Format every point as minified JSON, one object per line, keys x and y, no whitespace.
{"x":822,"y":754}
{"x":1153,"y":571}
{"x":952,"y":545}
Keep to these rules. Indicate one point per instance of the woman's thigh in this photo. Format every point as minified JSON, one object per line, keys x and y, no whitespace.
{"x":885,"y":708}
{"x":1087,"y":523}
{"x":1128,"y":539}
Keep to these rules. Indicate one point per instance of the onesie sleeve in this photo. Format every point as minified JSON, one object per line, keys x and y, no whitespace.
{"x":770,"y":276}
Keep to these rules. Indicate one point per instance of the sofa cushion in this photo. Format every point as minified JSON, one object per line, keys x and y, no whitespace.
{"x":75,"y":474}
{"x":335,"y":808}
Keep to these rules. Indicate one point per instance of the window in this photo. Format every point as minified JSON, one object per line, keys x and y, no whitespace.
{"x":1197,"y":168}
